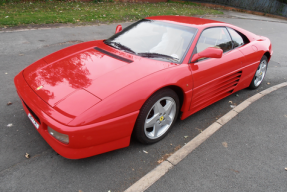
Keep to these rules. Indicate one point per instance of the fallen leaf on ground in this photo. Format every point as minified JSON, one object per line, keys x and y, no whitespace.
{"x":199,"y":130}
{"x":80,"y":190}
{"x":163,"y":158}
{"x":160,"y":161}
{"x":10,"y":125}
{"x":9,"y":103}
{"x":185,"y":136}
{"x":237,"y":95}
{"x":224,"y":144}
{"x":21,"y":54}
{"x":230,"y":102}
{"x":286,"y":168}
{"x":27,"y":155}
{"x":268,"y":83}
{"x":235,"y":170}
{"x":285,"y":115}
{"x":177,"y":148}
{"x":145,"y":151}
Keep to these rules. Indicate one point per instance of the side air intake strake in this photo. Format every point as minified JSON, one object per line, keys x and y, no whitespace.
{"x":216,"y":90}
{"x":113,"y":55}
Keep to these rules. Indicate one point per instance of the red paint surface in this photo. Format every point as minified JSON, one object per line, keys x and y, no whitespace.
{"x":95,"y":98}
{"x":119,"y":28}
{"x":210,"y":52}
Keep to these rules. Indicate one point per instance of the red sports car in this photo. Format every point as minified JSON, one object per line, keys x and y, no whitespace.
{"x":90,"y":98}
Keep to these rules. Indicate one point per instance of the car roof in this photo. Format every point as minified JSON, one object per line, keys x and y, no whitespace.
{"x":200,"y":23}
{"x":190,"y":21}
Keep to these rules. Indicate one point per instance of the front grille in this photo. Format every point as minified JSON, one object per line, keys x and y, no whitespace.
{"x":32,"y":113}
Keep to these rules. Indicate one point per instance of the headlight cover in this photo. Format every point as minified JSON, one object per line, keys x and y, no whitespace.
{"x":59,"y":136}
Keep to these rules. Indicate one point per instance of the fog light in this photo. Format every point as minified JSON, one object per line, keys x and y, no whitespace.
{"x":59,"y":136}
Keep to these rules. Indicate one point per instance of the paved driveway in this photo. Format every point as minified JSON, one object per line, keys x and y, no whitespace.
{"x":116,"y":170}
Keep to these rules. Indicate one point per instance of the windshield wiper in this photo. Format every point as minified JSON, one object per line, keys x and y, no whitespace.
{"x":120,"y":46}
{"x":158,"y":55}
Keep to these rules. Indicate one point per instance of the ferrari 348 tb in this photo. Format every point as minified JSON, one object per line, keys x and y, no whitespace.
{"x":91,"y":98}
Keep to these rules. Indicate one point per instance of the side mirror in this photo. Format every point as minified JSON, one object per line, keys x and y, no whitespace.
{"x":119,"y":29}
{"x":210,"y":52}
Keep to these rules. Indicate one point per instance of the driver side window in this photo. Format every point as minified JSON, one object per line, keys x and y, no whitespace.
{"x":217,"y":37}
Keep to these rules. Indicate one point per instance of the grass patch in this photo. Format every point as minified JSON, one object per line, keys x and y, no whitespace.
{"x":13,"y":14}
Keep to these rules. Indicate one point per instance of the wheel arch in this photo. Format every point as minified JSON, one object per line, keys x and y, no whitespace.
{"x":177,"y":89}
{"x":136,"y":129}
{"x":268,"y":55}
{"x":179,"y":93}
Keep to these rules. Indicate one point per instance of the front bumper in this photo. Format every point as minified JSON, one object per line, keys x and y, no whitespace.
{"x":84,"y":141}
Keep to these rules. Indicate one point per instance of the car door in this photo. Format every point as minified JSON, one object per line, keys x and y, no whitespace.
{"x":215,"y":78}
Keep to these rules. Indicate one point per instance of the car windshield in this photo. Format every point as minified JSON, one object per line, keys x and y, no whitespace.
{"x":154,"y":39}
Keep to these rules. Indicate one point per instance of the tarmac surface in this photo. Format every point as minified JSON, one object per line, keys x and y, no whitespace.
{"x":246,"y":154}
{"x":118,"y":170}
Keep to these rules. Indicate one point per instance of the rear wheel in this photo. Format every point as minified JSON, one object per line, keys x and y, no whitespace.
{"x":157,"y":116}
{"x":259,"y":74}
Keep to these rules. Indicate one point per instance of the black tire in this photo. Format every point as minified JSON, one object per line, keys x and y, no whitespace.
{"x":140,"y":132}
{"x":253,"y":84}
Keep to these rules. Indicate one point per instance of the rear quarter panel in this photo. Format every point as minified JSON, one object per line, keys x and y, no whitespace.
{"x":253,"y":52}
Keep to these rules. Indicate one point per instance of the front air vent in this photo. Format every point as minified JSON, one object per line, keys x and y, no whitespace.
{"x":114,"y":55}
{"x":215,"y":90}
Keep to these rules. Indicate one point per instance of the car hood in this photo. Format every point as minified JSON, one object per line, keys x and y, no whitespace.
{"x":92,"y":67}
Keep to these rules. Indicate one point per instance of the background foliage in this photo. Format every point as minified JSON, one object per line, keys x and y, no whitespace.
{"x":50,"y":12}
{"x":277,"y":7}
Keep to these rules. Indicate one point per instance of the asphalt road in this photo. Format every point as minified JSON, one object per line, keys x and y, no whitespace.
{"x":248,"y":153}
{"x":116,"y":170}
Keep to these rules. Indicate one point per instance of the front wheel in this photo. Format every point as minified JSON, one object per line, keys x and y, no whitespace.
{"x":157,"y":116}
{"x":259,"y":74}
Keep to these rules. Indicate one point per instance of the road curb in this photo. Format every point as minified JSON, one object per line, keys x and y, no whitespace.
{"x":150,"y":178}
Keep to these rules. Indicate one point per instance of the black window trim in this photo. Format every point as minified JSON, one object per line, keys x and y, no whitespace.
{"x":232,"y":39}
{"x":189,"y":46}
